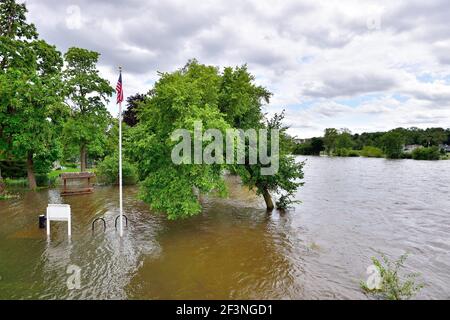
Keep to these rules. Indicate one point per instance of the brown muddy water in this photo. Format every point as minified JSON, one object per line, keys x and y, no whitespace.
{"x":352,"y":208}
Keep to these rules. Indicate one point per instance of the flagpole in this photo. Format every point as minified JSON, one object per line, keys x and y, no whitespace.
{"x":120,"y":167}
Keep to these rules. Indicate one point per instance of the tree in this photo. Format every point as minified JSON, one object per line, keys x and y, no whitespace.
{"x":285,"y":181}
{"x":392,"y":144}
{"x":30,"y":91}
{"x":219,"y":101}
{"x":241,"y":100}
{"x":317,"y":146}
{"x":178,"y":100}
{"x":314,"y":146}
{"x":13,"y":24}
{"x":329,"y":140}
{"x":130,"y":116}
{"x":433,"y":137}
{"x":344,"y":139}
{"x":87,"y":95}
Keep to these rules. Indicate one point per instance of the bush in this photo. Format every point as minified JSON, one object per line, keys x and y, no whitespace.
{"x":285,"y":201}
{"x":372,"y":152}
{"x":430,"y":153}
{"x":353,"y":153}
{"x":345,"y":152}
{"x":392,"y":286}
{"x":70,"y":165}
{"x":16,"y":183}
{"x":406,"y":155}
{"x":341,"y":152}
{"x":42,"y":180}
{"x":108,"y":171}
{"x":13,"y":169}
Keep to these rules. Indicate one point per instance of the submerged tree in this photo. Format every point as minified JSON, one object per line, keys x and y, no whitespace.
{"x":30,"y":91}
{"x":182,"y":99}
{"x":178,"y":100}
{"x":241,"y":100}
{"x":87,"y":95}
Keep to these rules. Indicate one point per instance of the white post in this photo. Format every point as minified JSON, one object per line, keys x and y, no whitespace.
{"x":48,"y":224}
{"x":120,"y":166}
{"x":69,"y":226}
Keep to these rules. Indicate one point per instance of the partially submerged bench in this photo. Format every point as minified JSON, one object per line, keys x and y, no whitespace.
{"x":77,"y":183}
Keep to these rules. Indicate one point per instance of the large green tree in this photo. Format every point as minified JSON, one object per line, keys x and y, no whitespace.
{"x":177,"y":101}
{"x":30,"y":92}
{"x":87,"y":94}
{"x":219,"y":101}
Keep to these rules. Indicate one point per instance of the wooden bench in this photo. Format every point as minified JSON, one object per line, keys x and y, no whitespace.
{"x":74,"y":190}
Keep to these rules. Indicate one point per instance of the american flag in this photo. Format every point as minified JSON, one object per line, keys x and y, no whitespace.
{"x":119,"y":90}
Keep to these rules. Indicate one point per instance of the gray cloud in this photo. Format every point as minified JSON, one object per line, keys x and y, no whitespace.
{"x":336,"y":84}
{"x":315,"y":51}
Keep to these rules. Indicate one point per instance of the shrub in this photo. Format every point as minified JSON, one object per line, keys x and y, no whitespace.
{"x":430,"y":153}
{"x":406,"y":155}
{"x":2,"y":185}
{"x":285,"y":201}
{"x":392,"y":286}
{"x":16,"y":183}
{"x":108,"y":171}
{"x":341,"y":152}
{"x":42,"y":180}
{"x":345,"y":152}
{"x":372,"y":152}
{"x":303,"y":149}
{"x":70,"y":165}
{"x":353,"y":153}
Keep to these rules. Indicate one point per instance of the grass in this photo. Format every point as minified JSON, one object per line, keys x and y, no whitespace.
{"x":55,"y":173}
{"x":52,"y":177}
{"x":16,"y":182}
{"x":8,"y":196}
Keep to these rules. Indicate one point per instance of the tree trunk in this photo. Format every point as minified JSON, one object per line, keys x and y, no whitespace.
{"x":2,"y":184}
{"x":83,"y":158}
{"x":268,"y":199}
{"x":30,"y":172}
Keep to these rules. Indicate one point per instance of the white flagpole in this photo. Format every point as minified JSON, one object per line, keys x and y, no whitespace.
{"x":120,"y":165}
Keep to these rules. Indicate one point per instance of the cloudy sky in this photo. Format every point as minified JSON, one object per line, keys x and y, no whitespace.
{"x":362,"y":65}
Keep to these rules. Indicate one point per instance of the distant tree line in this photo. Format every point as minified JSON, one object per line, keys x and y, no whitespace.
{"x":427,"y":144}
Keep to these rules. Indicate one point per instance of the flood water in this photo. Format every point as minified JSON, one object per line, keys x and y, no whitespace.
{"x":351,"y":209}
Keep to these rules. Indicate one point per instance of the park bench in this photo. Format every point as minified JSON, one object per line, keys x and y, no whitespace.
{"x":80,"y":188}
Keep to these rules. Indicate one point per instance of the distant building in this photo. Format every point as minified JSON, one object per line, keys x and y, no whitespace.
{"x":300,"y":141}
{"x":411,"y":147}
{"x":445,"y":147}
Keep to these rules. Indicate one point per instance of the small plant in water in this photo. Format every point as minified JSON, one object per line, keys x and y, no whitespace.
{"x":392,"y":285}
{"x":7,"y":196}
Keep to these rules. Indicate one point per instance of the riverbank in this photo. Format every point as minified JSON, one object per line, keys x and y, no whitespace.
{"x":372,"y":152}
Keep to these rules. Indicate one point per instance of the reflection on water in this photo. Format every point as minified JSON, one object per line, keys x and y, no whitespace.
{"x":320,"y":250}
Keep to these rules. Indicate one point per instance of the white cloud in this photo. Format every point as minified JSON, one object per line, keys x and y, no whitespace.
{"x":330,"y":64}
